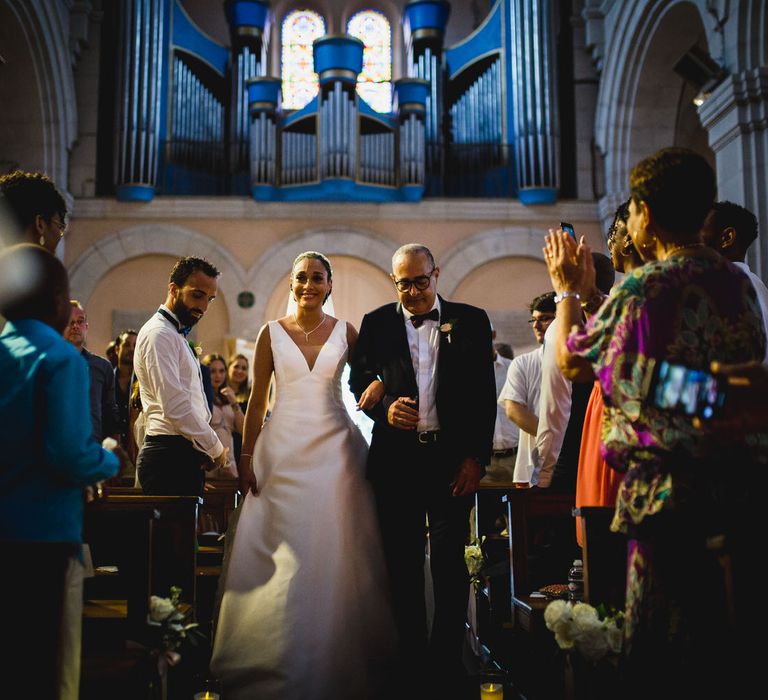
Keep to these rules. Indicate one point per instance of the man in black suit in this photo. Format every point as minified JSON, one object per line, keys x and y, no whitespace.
{"x":432,"y":436}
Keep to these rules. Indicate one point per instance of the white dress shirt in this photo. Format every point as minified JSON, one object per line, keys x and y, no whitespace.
{"x":762,"y":297}
{"x":523,"y":386}
{"x":424,"y":344}
{"x":171,"y":386}
{"x":554,"y":411}
{"x":505,"y":434}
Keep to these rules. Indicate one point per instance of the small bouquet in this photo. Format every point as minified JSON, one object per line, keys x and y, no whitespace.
{"x":475,"y":560}
{"x":583,"y":628}
{"x":171,"y":630}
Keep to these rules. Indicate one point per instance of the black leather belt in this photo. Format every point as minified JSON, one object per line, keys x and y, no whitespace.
{"x":425,"y":437}
{"x":505,"y":453}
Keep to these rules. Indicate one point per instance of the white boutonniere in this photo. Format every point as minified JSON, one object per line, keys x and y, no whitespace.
{"x":447,"y":328}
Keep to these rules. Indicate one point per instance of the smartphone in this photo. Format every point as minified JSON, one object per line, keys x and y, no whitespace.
{"x":568,"y":228}
{"x":693,"y":392}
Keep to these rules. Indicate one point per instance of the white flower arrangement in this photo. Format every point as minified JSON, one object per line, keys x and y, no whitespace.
{"x":447,"y":328}
{"x":580,"y":627}
{"x":475,"y":560}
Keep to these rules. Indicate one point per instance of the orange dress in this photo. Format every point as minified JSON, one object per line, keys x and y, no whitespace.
{"x":596,"y":483}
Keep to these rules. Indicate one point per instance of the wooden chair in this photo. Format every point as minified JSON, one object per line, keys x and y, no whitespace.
{"x":605,"y":557}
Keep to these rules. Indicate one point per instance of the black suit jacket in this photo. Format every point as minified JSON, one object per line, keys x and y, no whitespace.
{"x":466,"y":388}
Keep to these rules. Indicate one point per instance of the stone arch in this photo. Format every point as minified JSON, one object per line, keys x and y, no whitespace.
{"x":40,"y":31}
{"x":508,"y":241}
{"x":162,"y":239}
{"x":640,"y":98}
{"x":276,"y":262}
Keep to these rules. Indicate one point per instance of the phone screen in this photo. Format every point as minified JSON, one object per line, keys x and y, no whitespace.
{"x":568,"y":228}
{"x":693,"y":392}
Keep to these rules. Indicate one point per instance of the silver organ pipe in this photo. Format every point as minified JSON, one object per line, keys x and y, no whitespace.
{"x":139,"y":75}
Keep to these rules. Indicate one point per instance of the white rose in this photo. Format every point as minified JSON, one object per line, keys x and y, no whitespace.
{"x":565,"y":634}
{"x":592,"y":642}
{"x":557,"y":611}
{"x":160,"y":608}
{"x":584,"y":614}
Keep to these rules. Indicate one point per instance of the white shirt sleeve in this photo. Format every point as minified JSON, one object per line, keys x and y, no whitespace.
{"x":516,"y":386}
{"x":554,"y":412}
{"x":180,"y":410}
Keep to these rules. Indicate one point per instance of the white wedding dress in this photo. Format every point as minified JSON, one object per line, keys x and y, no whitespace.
{"x":304,"y":613}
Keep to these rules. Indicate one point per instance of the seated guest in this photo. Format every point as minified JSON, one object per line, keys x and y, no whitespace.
{"x":48,"y":457}
{"x":520,"y":393}
{"x":596,"y":483}
{"x":683,"y":510}
{"x":226,"y":417}
{"x":731,"y":230}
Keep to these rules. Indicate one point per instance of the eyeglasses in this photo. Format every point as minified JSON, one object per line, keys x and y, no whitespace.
{"x":421,"y":282}
{"x":59,"y":224}
{"x":541,"y":319}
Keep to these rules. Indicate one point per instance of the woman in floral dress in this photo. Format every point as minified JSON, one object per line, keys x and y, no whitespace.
{"x":682,"y":506}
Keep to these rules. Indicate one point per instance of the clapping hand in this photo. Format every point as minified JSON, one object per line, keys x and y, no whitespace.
{"x":569,"y":264}
{"x":373,"y":393}
{"x":229,"y":395}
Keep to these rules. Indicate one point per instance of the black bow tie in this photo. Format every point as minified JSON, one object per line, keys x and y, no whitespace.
{"x":183,"y":330}
{"x":418,"y":319}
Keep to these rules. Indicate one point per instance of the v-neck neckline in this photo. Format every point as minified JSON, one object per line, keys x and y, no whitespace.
{"x":304,"y":357}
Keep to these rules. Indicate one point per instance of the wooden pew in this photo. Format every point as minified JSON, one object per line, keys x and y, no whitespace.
{"x":151,"y":539}
{"x":605,"y":557}
{"x":218,"y":504}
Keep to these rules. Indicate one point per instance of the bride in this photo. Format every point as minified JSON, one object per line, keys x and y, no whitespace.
{"x":304,"y":613}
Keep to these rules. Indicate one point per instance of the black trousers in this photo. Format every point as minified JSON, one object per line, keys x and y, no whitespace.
{"x":414,"y":487}
{"x":169,"y":465}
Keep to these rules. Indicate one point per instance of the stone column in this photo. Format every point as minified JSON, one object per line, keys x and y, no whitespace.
{"x":735,"y":115}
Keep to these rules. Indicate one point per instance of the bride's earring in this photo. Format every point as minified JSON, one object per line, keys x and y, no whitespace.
{"x":42,"y":241}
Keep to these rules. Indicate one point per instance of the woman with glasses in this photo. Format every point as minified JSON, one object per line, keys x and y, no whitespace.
{"x":687,"y":512}
{"x":304,"y":610}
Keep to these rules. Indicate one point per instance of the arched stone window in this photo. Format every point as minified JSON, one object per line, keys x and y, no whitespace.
{"x":374,"y":84}
{"x":300,"y":28}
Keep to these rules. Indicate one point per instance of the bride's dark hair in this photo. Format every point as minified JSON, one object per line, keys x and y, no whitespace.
{"x":314,"y":255}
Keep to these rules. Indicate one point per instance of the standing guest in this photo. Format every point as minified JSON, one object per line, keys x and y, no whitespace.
{"x":104,"y":413}
{"x":48,"y":457}
{"x":596,"y":483}
{"x":237,"y":373}
{"x":506,"y":434}
{"x":179,"y":443}
{"x":683,"y":510}
{"x":226,"y":417}
{"x":520,"y":394}
{"x":126,"y":345}
{"x":111,"y":352}
{"x":505,"y":350}
{"x":37,"y":206}
{"x":432,"y":436}
{"x":731,"y":230}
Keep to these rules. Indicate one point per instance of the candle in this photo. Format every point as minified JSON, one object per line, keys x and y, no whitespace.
{"x":207,"y":695}
{"x":491,"y":691}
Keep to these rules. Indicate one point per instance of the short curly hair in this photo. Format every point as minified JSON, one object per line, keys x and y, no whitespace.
{"x":186,"y":266}
{"x":679,"y":187}
{"x":31,"y":194}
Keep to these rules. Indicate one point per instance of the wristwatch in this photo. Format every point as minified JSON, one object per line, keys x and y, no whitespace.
{"x":564,"y":295}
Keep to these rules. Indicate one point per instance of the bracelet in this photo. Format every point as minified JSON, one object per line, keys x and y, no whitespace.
{"x":565,"y":295}
{"x":246,"y":454}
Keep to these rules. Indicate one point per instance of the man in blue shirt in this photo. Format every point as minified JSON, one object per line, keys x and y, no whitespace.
{"x":47,"y":457}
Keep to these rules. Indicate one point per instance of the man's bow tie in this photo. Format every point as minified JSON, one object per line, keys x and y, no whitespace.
{"x":184,"y":330}
{"x":418,"y":319}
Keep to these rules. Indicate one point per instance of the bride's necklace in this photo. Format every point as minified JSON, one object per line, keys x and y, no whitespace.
{"x":683,"y":246}
{"x":308,"y":333}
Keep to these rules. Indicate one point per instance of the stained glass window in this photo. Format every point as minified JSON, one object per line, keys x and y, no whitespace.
{"x":300,"y":29}
{"x":374,"y":83}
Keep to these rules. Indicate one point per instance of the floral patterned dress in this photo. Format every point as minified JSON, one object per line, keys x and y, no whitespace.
{"x":688,"y":311}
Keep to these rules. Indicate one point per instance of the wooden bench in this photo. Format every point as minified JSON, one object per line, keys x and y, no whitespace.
{"x":218,"y":504}
{"x":152,"y":542}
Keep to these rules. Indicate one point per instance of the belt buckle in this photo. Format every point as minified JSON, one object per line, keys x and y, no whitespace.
{"x":423,"y":437}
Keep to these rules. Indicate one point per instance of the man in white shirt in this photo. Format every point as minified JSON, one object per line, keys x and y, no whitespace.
{"x":731,"y":230}
{"x":520,"y":394}
{"x":180,"y":443}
